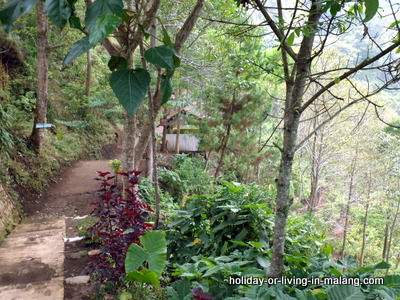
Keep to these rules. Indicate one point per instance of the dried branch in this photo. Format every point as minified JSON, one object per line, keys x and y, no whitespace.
{"x":275,"y":29}
{"x":271,"y":135}
{"x":347,"y":74}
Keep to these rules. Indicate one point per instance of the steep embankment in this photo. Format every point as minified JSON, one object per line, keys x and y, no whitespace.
{"x":9,"y":215}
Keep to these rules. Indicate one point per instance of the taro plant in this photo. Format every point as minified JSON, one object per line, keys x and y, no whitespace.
{"x":144,"y":264}
{"x":120,"y":223}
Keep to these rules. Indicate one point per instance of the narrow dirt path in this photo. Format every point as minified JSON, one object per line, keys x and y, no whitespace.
{"x":36,"y":246}
{"x":71,"y":194}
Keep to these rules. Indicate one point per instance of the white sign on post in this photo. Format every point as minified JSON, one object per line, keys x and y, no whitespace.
{"x":39,"y":125}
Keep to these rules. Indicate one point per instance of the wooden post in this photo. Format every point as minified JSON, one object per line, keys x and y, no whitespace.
{"x":164,"y":124}
{"x":178,"y":131}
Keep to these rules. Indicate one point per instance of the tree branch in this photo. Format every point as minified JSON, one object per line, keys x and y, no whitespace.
{"x":302,"y":143}
{"x":347,"y":74}
{"x":188,"y":26}
{"x":275,"y":29}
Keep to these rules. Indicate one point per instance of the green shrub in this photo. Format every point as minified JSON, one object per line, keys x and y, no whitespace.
{"x":83,"y":226}
{"x":187,"y":177}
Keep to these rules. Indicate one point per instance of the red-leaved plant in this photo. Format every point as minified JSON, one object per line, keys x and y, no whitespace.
{"x":199,"y":294}
{"x":120,"y":223}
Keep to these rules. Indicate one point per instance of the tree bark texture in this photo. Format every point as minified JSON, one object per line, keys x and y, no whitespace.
{"x":128,"y":144}
{"x":38,"y":134}
{"x":224,"y":142}
{"x":348,"y":204}
{"x":391,"y":231}
{"x":364,"y":238}
{"x":385,"y":241}
{"x":294,"y":95}
{"x":317,"y":167}
{"x":88,"y":73}
{"x":178,"y":131}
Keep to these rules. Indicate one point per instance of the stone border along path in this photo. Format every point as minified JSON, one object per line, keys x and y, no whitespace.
{"x":32,"y":256}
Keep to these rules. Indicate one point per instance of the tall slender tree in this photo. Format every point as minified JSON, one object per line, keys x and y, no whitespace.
{"x":38,"y":134}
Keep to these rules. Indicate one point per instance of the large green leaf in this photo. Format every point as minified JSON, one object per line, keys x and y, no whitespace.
{"x":117,"y":63}
{"x":13,"y":10}
{"x":155,"y":244}
{"x":258,"y":293}
{"x":161,"y":56}
{"x":166,"y":89}
{"x":182,"y":287}
{"x":371,"y":7}
{"x":103,"y":27}
{"x":392,"y":279}
{"x":302,"y":295}
{"x":143,"y":276}
{"x":100,"y":8}
{"x":166,"y":38}
{"x":179,"y":290}
{"x":386,"y":293}
{"x":130,"y":87}
{"x":335,"y":8}
{"x":177,"y":61}
{"x":75,"y":22}
{"x":135,"y":257}
{"x":153,"y":252}
{"x":58,"y":11}
{"x":345,"y":292}
{"x":80,"y":47}
{"x":290,"y":39}
{"x":382,"y":265}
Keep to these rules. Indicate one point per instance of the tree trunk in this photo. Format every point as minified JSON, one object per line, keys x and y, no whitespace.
{"x":152,"y":147}
{"x":150,"y":161}
{"x":398,"y":261}
{"x":392,"y":229}
{"x":178,"y":131}
{"x":349,"y":198}
{"x":364,"y":238}
{"x":316,"y":166}
{"x":164,"y":135}
{"x":385,"y":242}
{"x":88,"y":73}
{"x":283,"y":198}
{"x":295,"y":88}
{"x":38,"y":134}
{"x":128,"y":143}
{"x":225,"y":139}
